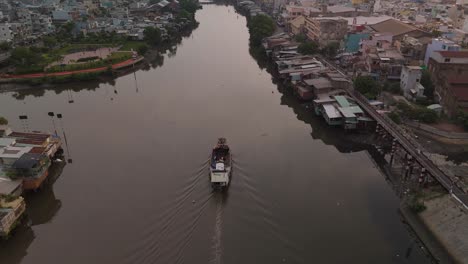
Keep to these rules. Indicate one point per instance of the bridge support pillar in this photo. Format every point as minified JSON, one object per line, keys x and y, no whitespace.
{"x":394,"y":149}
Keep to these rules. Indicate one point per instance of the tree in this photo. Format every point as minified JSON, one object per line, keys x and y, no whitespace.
{"x":392,"y":87}
{"x":422,"y":114}
{"x":190,"y":6}
{"x":427,"y":83}
{"x":152,"y":36}
{"x":436,"y":33}
{"x":5,"y":46}
{"x":331,"y":49}
{"x":142,"y":49}
{"x":301,"y":38}
{"x":66,"y":30}
{"x":22,"y":56}
{"x":425,"y":115}
{"x":309,"y":48}
{"x":185,"y":14}
{"x":260,"y":26}
{"x":395,"y":117}
{"x":367,"y":86}
{"x":153,"y":2}
{"x":3,"y":121}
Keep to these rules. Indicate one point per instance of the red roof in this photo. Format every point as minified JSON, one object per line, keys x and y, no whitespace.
{"x":453,"y":54}
{"x":37,"y":150}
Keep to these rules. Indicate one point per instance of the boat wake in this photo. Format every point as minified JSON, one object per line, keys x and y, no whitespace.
{"x":164,"y":240}
{"x":216,"y":240}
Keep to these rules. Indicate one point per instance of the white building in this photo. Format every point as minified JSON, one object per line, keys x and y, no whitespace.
{"x":6,"y":34}
{"x":410,"y":82}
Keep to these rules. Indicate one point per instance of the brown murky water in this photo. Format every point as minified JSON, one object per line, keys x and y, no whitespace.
{"x":138,"y":191}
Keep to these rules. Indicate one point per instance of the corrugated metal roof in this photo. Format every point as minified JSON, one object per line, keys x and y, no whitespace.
{"x":342,"y":101}
{"x":331,"y":111}
{"x":394,"y":27}
{"x":346,"y":112}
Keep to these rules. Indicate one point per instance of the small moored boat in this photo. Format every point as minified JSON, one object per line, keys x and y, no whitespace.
{"x":220,"y":165}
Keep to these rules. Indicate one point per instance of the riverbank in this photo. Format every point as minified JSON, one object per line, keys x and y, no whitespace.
{"x":68,"y":75}
{"x":436,"y":246}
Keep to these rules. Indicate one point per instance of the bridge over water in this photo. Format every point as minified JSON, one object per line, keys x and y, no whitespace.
{"x":407,"y":143}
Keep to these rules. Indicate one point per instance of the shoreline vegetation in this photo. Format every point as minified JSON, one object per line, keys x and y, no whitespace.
{"x":97,"y":55}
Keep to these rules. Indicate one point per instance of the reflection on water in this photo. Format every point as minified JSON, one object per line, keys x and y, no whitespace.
{"x":41,"y":207}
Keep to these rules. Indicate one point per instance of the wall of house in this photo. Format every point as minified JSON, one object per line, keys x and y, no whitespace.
{"x":439,"y":73}
{"x":438,"y":44}
{"x":408,"y":80}
{"x":326,"y":31}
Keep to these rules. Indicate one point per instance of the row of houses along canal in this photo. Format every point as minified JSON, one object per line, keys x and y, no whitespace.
{"x":138,"y":190}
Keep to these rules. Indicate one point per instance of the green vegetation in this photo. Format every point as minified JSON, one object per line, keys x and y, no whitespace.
{"x":331,"y":49}
{"x":367,"y":86}
{"x":12,"y":174}
{"x":395,"y":117}
{"x":114,"y":58}
{"x":308,"y":48}
{"x":419,"y":113}
{"x":68,"y":39}
{"x":50,"y":42}
{"x":8,"y":197}
{"x":88,"y":59}
{"x":3,"y":121}
{"x":189,"y":6}
{"x":138,"y":46}
{"x":416,"y":204}
{"x":392,"y":87}
{"x":462,"y":119}
{"x":260,"y":26}
{"x":152,"y":36}
{"x":427,"y":83}
{"x":5,"y":46}
{"x":301,"y":38}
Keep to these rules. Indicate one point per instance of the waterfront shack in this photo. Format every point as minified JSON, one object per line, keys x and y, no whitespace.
{"x":11,"y":210}
{"x":33,"y":168}
{"x":350,"y":120}
{"x":332,"y":116}
{"x":318,"y":104}
{"x":320,"y":86}
{"x":50,"y":143}
{"x":303,"y":92}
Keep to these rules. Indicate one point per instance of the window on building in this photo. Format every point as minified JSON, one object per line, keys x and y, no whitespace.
{"x":447,"y":60}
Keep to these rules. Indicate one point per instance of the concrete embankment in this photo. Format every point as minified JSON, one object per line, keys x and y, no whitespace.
{"x":449,"y":224}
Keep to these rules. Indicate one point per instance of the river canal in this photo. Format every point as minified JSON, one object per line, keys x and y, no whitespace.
{"x":137,"y":190}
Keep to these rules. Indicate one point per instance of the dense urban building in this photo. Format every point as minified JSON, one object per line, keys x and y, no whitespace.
{"x":326,"y":30}
{"x":446,"y":67}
